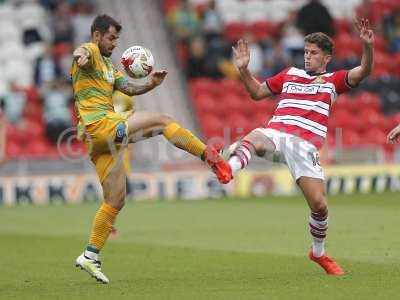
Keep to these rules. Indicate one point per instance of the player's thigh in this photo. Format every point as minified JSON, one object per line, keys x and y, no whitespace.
{"x":145,"y":134}
{"x":143,"y":120}
{"x":114,"y":185}
{"x":314,"y":191}
{"x":261,"y":142}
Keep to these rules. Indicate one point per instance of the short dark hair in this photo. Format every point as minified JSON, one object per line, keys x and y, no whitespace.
{"x":102,"y":23}
{"x":320,"y":39}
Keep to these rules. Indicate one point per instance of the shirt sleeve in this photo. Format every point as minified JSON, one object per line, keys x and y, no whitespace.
{"x":275,"y":83}
{"x":340,"y":80}
{"x":93,"y":51}
{"x":119,"y":77}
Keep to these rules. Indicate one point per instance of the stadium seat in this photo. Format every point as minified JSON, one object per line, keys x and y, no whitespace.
{"x":13,"y":149}
{"x":350,"y":137}
{"x":374,"y":136}
{"x":369,"y":100}
{"x":262,"y":30}
{"x":234,"y":31}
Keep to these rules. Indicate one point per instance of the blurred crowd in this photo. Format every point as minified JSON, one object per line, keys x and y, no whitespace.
{"x":204,"y":41}
{"x":40,"y":94}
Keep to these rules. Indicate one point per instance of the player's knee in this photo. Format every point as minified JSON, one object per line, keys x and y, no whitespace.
{"x":319,"y":205}
{"x":118,"y":199}
{"x":165,"y":120}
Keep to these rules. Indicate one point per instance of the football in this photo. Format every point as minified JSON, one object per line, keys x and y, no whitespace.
{"x":137,"y":61}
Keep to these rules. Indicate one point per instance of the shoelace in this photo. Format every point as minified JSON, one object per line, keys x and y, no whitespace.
{"x":97,"y":264}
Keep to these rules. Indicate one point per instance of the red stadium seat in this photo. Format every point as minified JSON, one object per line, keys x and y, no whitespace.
{"x":374,"y":136}
{"x":371,"y":119}
{"x":369,"y":100}
{"x":36,"y":148}
{"x":201,"y":86}
{"x":342,"y":26}
{"x":13,"y":149}
{"x":345,"y":102}
{"x":350,"y":137}
{"x":229,"y":85}
{"x":33,"y":129}
{"x":262,"y":30}
{"x":347,"y":46}
{"x":234,"y":31}
{"x":344,"y":119}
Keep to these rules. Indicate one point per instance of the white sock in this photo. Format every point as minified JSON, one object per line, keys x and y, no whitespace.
{"x":235,"y":163}
{"x":91,"y":255}
{"x":240,"y":158}
{"x":318,"y":224}
{"x":318,"y":248}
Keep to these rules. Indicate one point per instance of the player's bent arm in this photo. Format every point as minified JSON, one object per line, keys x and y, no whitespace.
{"x":132,"y":89}
{"x":82,"y":57}
{"x":357,"y":74}
{"x":256,"y":89}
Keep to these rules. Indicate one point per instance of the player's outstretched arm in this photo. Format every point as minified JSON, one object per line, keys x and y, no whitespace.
{"x":394,"y":135}
{"x":132,"y":89}
{"x":82,"y":57}
{"x":241,"y":59}
{"x":357,"y":74}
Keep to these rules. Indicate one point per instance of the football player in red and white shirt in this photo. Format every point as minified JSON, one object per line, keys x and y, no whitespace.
{"x":299,"y":125}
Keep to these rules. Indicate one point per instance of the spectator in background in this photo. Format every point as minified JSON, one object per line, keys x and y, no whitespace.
{"x":315,"y":17}
{"x":82,"y":19}
{"x":292,"y":40}
{"x":276,"y":58}
{"x":61,"y":23}
{"x":46,"y":69}
{"x":203,"y":60}
{"x":196,"y":65}
{"x":391,"y":25}
{"x":184,"y":21}
{"x":14,"y":100}
{"x":57,"y":116}
{"x":63,"y":62}
{"x":212,"y":24}
{"x":256,"y":53}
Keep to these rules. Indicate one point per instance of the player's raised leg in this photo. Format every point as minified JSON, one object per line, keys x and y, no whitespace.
{"x":241,"y":152}
{"x":314,"y":192}
{"x":146,"y":124}
{"x":114,"y":190}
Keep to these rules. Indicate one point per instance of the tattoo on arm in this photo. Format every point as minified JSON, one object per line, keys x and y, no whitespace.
{"x":132,"y":89}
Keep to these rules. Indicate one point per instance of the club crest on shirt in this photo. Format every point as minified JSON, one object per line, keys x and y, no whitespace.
{"x":318,"y":79}
{"x":109,"y":76}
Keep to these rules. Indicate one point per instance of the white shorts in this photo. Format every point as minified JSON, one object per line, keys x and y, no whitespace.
{"x":301,"y":157}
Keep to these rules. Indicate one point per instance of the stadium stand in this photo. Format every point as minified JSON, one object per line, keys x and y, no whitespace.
{"x":43,"y":43}
{"x":365,"y":115}
{"x":36,"y":42}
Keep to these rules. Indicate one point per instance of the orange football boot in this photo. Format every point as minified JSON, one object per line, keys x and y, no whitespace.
{"x":219,"y":166}
{"x":328,"y":264}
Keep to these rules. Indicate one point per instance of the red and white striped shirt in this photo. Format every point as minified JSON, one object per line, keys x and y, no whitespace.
{"x":305,"y":102}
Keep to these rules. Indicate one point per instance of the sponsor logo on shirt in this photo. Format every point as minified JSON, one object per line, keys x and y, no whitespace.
{"x":301,"y":89}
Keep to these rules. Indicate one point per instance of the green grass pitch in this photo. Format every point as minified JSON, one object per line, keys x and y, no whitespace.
{"x":210,"y":249}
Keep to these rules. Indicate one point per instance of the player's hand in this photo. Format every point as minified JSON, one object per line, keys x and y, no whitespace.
{"x":157,"y":77}
{"x":241,"y":54}
{"x":394,"y":135}
{"x":81,"y":56}
{"x":366,"y":34}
